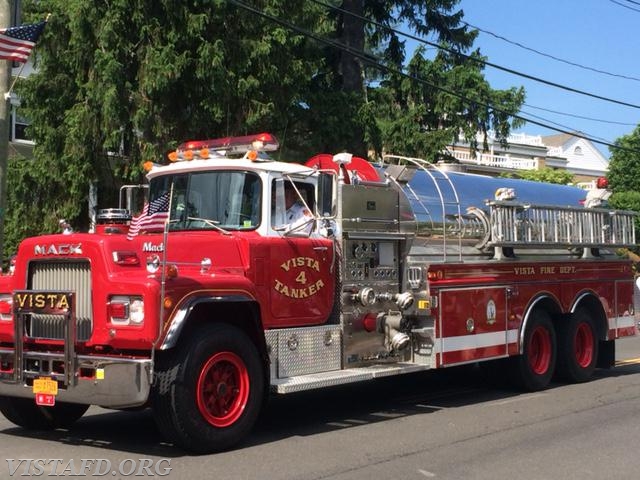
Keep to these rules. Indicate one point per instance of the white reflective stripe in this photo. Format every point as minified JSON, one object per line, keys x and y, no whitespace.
{"x":621,"y":322}
{"x":480,"y":340}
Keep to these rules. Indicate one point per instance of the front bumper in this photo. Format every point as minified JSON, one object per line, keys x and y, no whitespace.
{"x":114,"y":382}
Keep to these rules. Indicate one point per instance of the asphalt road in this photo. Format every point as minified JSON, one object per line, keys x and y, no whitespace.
{"x":448,"y":424}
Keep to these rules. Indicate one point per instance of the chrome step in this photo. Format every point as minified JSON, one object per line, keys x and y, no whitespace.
{"x":341,"y":377}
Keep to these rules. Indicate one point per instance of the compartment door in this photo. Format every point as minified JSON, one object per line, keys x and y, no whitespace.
{"x":472,"y":324}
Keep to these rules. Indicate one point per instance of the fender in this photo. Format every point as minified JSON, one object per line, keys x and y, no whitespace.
{"x":578,"y":300}
{"x":179,"y":319}
{"x":592,"y":300}
{"x":544,"y":297}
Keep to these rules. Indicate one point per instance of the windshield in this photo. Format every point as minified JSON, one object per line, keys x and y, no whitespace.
{"x":229,"y":200}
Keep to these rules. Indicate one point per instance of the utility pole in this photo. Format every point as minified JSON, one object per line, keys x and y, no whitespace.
{"x":5,"y":112}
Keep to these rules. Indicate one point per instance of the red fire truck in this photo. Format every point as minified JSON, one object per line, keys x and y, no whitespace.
{"x":208,"y":301}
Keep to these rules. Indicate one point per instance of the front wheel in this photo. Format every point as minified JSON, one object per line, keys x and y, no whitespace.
{"x":533,"y":369}
{"x":208,"y":392}
{"x":25,"y":413}
{"x":577,"y":347}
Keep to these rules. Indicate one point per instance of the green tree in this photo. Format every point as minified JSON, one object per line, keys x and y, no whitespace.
{"x":624,"y":174}
{"x":408,"y":116}
{"x":439,"y":19}
{"x":450,"y":100}
{"x":624,"y":164}
{"x":122,"y":82}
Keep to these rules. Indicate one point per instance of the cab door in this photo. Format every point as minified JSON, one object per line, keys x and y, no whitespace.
{"x":300,"y":264}
{"x":301,"y":280}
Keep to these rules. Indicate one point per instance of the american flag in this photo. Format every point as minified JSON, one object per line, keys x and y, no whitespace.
{"x":153,"y":216}
{"x":16,"y":43}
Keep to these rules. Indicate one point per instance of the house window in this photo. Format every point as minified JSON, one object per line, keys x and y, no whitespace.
{"x":19,"y":126}
{"x":577,"y":151}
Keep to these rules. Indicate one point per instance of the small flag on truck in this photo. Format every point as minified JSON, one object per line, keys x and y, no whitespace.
{"x":153,"y":216}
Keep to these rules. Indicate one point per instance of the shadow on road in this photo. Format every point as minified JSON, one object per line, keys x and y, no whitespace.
{"x":305,"y":413}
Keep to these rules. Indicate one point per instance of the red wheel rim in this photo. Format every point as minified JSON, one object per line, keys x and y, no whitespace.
{"x":584,"y":345}
{"x":540,"y":351}
{"x":223,"y":389}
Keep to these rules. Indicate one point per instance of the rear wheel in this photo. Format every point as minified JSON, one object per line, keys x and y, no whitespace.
{"x":210,"y":390}
{"x":577,"y":347}
{"x":25,"y":413}
{"x":534,"y":369}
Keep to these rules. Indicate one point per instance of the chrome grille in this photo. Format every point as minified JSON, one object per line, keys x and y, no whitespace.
{"x":74,"y":276}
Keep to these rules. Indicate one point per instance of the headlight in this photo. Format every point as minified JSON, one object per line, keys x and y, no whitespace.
{"x":136,"y":311}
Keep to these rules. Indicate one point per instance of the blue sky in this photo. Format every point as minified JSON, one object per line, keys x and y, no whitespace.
{"x":599,"y":34}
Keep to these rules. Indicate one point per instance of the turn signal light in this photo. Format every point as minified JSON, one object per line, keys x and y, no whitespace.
{"x":171,"y":271}
{"x":125,"y":310}
{"x":6,"y":307}
{"x":126,"y":258}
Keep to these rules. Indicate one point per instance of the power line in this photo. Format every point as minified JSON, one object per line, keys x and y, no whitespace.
{"x":553,"y":57}
{"x":611,"y":122}
{"x":565,"y":128}
{"x":375,"y":61}
{"x":482,"y":62}
{"x":625,"y":6}
{"x":525,"y":104}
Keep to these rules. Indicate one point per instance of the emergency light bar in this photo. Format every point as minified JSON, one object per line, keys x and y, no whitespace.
{"x":262,"y":142}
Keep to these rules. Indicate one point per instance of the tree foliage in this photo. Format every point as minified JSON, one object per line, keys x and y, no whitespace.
{"x":546,"y":174}
{"x":420,"y":109}
{"x":450,"y":100}
{"x":624,"y":174}
{"x":624,"y":164}
{"x":121,"y":82}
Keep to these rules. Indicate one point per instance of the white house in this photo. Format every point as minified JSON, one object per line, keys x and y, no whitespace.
{"x":577,"y":155}
{"x":533,"y":152}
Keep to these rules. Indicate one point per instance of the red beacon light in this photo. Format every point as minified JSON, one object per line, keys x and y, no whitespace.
{"x":262,"y":142}
{"x":602,"y":182}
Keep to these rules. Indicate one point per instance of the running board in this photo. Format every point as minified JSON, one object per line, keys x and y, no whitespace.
{"x":341,"y":377}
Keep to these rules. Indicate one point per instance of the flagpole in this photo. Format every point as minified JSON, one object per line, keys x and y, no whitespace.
{"x":7,"y":96}
{"x":5,"y":109}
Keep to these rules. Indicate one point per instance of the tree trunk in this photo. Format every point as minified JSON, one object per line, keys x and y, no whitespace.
{"x":353,"y":37}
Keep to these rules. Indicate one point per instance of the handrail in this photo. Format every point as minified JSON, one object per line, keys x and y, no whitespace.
{"x":429,"y":168}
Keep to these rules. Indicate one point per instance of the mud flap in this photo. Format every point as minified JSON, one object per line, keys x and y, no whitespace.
{"x":607,"y":355}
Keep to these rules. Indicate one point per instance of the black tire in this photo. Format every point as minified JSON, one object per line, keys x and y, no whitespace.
{"x":209,"y":391}
{"x":577,"y":347}
{"x":533,"y":370}
{"x":25,"y":413}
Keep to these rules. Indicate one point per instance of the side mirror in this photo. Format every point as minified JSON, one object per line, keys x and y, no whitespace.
{"x":325,"y":195}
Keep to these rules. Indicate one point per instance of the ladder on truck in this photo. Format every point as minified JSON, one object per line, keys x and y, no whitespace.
{"x":522,"y":225}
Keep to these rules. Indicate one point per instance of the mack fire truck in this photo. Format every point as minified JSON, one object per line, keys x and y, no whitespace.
{"x":207,"y":302}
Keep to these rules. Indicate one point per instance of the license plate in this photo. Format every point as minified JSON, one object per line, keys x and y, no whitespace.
{"x":45,"y":400}
{"x":45,"y":385}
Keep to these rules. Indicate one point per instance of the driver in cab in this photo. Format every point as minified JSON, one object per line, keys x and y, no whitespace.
{"x":297,"y":216}
{"x":297,"y":213}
